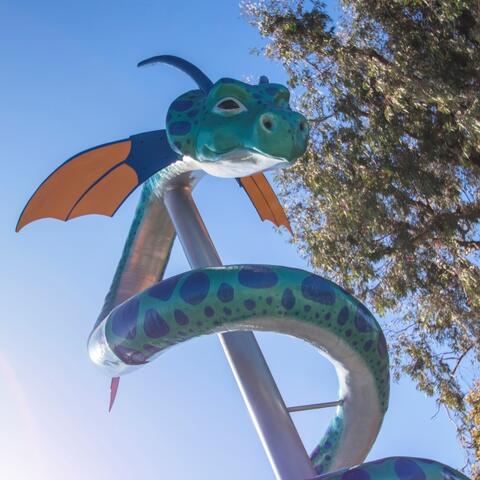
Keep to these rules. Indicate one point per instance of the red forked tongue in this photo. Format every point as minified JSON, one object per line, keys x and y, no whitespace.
{"x":113,"y":391}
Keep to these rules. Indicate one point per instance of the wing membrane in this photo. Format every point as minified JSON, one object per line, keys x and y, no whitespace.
{"x":100,"y":179}
{"x":61,"y":191}
{"x":265,"y":200}
{"x":106,"y":196}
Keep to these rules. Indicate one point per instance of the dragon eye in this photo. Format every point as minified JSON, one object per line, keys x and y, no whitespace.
{"x":229,"y":106}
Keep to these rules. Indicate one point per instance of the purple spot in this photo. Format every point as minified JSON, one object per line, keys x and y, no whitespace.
{"x":163,"y":290}
{"x":179,"y":128}
{"x":225,"y":293}
{"x":257,"y":276}
{"x":249,"y":304}
{"x":195,"y":288}
{"x":151,"y":349}
{"x":181,"y":105}
{"x":269,"y":300}
{"x":318,"y":290}
{"x":382,"y":345}
{"x":319,"y":469}
{"x":129,"y":356}
{"x":363,"y":320}
{"x":154,"y":325}
{"x":356,"y":474}
{"x":288,"y":299}
{"x":181,"y":317}
{"x":342,"y":317}
{"x":367,"y":345}
{"x":407,"y":469}
{"x":124,"y":319}
{"x":209,"y":311}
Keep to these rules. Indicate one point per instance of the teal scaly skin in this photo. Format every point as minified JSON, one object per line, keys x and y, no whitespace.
{"x":247,"y":297}
{"x":397,"y":468}
{"x":270,"y":298}
{"x":237,"y":116}
{"x":236,"y":130}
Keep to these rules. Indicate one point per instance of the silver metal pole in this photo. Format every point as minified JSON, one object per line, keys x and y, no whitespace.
{"x":314,"y":406}
{"x":267,"y":409}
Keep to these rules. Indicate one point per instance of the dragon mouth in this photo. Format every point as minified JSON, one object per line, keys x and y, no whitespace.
{"x":241,"y":162}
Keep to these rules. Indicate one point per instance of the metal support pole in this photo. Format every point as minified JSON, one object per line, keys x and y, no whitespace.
{"x":267,"y":409}
{"x":314,"y":406}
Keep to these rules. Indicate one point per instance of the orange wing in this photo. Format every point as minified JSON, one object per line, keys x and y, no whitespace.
{"x":99,"y":180}
{"x":94,"y":181}
{"x":265,"y":200}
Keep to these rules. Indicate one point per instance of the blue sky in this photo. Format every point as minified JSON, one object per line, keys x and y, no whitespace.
{"x":68,"y":83}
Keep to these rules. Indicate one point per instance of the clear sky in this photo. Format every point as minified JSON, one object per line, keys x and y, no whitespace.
{"x":68,"y":82}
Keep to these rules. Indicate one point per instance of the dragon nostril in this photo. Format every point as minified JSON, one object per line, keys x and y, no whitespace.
{"x":267,"y":123}
{"x":303,"y":126}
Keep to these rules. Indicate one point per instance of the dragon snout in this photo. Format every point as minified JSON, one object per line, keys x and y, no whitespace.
{"x":282,"y":134}
{"x":271,"y":122}
{"x":267,"y":122}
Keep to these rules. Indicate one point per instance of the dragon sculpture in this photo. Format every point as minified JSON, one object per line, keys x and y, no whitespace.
{"x":236,"y":130}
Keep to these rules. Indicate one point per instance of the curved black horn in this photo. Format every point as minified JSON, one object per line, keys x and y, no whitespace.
{"x":194,"y":72}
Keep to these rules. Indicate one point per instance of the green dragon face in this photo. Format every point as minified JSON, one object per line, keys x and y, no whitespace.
{"x":237,"y":129}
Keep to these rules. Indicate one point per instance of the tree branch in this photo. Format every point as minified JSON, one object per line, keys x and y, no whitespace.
{"x":459,"y":361}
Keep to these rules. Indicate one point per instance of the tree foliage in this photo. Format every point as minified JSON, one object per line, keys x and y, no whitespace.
{"x":387,"y":199}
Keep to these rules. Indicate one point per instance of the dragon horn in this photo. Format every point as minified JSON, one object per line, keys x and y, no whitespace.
{"x":194,"y":72}
{"x":263,"y":79}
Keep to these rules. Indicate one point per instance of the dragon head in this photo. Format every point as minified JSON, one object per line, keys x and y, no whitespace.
{"x":234,"y":129}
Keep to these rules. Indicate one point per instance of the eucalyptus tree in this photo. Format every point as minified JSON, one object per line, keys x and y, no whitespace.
{"x":386,"y":200}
